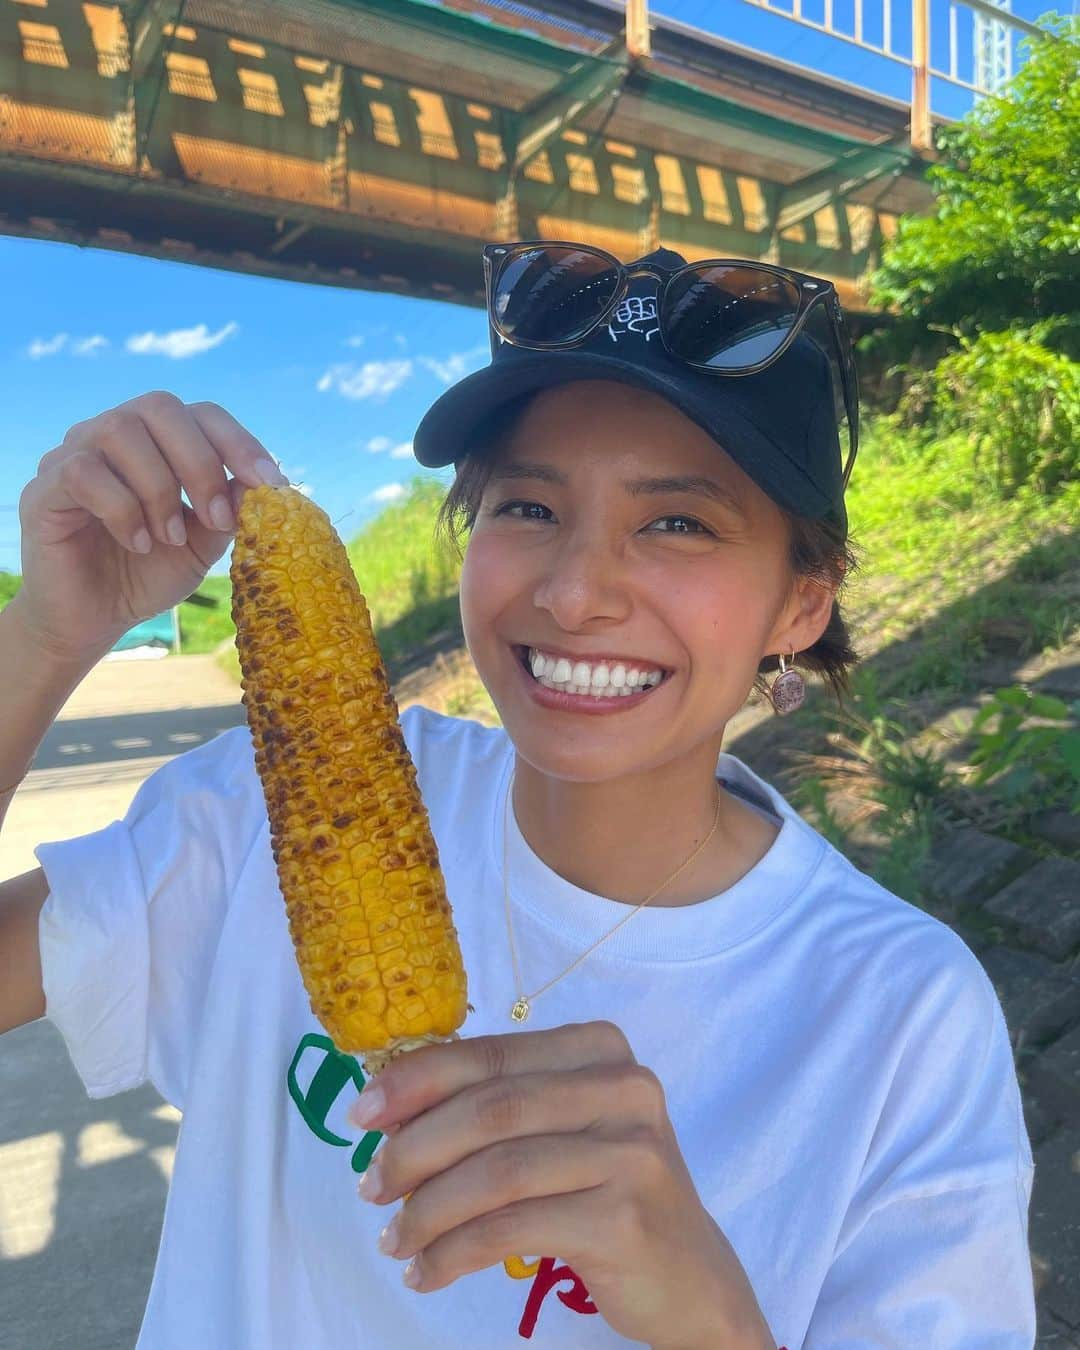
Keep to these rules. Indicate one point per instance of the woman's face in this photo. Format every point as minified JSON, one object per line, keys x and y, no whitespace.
{"x":569,"y":556}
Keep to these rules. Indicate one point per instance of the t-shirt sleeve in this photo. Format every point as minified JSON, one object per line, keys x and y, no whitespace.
{"x":933,"y":1249}
{"x":130,"y":927}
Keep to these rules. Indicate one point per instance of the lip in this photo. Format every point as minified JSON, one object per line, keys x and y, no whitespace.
{"x":578,"y":703}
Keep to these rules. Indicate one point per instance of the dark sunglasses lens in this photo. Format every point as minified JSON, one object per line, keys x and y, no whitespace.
{"x":728,"y":317}
{"x":552,"y":294}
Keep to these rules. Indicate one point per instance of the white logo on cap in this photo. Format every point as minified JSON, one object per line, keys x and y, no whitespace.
{"x":634,"y":314}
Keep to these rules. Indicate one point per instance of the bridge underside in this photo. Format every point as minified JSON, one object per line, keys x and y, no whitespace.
{"x":378,"y":143}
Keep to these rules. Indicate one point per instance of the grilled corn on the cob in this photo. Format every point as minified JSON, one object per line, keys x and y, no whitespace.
{"x":356,"y":860}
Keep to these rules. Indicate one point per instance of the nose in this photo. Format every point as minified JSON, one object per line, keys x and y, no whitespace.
{"x":581,"y":583}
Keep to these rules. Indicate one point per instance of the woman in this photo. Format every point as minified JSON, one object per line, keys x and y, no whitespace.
{"x":720,"y":1088}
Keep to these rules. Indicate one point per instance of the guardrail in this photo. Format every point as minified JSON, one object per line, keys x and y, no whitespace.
{"x":984,"y":50}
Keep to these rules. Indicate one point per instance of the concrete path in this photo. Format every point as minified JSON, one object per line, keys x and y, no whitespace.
{"x":82,"y":1182}
{"x":125,"y":719}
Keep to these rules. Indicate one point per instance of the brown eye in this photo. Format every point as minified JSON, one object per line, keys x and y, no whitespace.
{"x":698,"y":528}
{"x":507,"y":508}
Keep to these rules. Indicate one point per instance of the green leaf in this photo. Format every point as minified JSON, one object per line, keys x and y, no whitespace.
{"x":1043,"y":705}
{"x":1014,"y":696}
{"x":1069,"y":750}
{"x":987,"y":711}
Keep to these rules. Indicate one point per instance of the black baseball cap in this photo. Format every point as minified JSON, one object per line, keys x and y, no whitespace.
{"x":780,"y":425}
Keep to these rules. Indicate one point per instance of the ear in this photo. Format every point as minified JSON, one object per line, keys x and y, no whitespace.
{"x":805,"y":616}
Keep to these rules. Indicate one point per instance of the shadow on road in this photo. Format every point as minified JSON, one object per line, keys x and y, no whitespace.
{"x":87,"y":1181}
{"x":137,"y":735}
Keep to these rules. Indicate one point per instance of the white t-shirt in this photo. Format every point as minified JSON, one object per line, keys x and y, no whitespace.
{"x":835,"y":1061}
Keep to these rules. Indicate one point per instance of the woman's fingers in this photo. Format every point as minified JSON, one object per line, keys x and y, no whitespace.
{"x":417,"y":1081}
{"x":566,"y":1224}
{"x":242,"y":452}
{"x":519,"y":1107}
{"x":126,"y":445}
{"x":84,"y":486}
{"x":502,"y":1175}
{"x":159,"y":446}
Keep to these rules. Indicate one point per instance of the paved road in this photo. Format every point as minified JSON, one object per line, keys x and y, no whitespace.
{"x":83,"y":1183}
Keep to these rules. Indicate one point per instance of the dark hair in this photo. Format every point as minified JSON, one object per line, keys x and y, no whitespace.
{"x":819,"y":549}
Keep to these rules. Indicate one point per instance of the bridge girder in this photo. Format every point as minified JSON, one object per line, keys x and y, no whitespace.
{"x":334,"y":144}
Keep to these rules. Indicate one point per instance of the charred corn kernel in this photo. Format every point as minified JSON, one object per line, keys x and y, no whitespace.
{"x":356,"y":860}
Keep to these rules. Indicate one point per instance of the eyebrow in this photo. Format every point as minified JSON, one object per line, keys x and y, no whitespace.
{"x":698,"y":484}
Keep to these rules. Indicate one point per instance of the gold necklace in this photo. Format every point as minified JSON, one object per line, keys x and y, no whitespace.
{"x":520,"y":1011}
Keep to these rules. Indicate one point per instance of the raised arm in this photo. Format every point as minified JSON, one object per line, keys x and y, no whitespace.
{"x":107,"y":540}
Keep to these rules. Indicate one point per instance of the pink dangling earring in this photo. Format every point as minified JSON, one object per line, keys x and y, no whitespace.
{"x":788,"y":689}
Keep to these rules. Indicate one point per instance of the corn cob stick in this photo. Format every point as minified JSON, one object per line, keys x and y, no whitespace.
{"x":356,"y":860}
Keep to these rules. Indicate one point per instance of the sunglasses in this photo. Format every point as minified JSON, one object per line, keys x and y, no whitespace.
{"x":724,"y":315}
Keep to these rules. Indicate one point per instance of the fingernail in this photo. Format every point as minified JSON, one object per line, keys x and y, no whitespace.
{"x":367,"y":1107}
{"x":269,"y":472}
{"x":390,"y":1237}
{"x":411,"y":1273}
{"x":370,"y":1184}
{"x":174,"y":530}
{"x":142,"y":543}
{"x":221,"y":513}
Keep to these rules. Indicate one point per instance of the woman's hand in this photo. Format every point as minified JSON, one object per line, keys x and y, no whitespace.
{"x":557,"y":1143}
{"x":107,"y":539}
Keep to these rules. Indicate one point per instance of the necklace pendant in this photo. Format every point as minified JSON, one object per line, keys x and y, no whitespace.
{"x":520,"y":1010}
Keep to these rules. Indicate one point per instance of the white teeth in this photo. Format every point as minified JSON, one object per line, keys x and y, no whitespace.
{"x":603,"y":681}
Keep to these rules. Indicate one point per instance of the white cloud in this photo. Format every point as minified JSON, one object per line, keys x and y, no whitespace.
{"x":88,"y":346}
{"x":180,"y":342}
{"x":374,"y":379}
{"x":379,"y":445}
{"x":388,"y":493}
{"x":457,"y":364}
{"x":359,"y":339}
{"x":46,"y":346}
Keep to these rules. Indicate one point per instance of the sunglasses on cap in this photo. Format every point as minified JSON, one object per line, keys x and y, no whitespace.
{"x":727,"y":316}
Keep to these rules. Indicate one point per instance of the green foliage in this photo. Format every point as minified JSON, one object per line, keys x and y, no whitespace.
{"x":395,"y":557}
{"x":1003,"y":242}
{"x":206,"y":616}
{"x":810,"y":797}
{"x":1017,"y":403}
{"x":892,"y":770}
{"x":1034,"y":765}
{"x":9,"y":584}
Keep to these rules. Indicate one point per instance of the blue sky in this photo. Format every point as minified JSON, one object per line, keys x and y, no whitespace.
{"x":332,"y":381}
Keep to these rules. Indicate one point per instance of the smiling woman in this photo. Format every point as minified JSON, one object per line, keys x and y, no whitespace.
{"x":817,"y":549}
{"x":760,"y":1100}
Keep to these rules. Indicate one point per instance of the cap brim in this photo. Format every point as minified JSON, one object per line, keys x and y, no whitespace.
{"x":446,"y":430}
